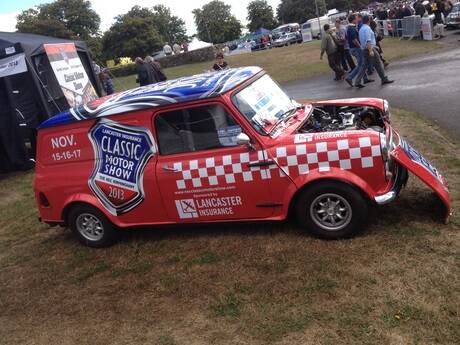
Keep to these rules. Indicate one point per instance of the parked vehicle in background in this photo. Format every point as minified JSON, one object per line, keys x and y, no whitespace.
{"x":283,"y":29}
{"x":222,"y":147}
{"x":316,"y":26}
{"x":453,"y":18}
{"x":287,"y":39}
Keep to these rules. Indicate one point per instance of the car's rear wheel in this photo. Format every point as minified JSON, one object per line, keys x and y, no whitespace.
{"x":331,"y":210}
{"x":91,"y":226}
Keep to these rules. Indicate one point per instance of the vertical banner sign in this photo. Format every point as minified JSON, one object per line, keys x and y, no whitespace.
{"x":427,"y":29}
{"x":70,"y":73}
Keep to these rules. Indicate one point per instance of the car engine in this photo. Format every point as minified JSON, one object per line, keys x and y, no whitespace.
{"x":338,"y":118}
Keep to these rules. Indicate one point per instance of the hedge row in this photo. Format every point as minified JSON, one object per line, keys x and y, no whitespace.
{"x":199,"y":55}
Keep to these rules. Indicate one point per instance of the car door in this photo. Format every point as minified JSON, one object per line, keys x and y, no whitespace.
{"x":202,"y":172}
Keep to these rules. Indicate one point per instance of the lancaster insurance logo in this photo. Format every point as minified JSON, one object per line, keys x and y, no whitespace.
{"x":121,"y":153}
{"x":186,"y":209}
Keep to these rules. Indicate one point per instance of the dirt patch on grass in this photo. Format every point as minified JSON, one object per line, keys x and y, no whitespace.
{"x":397,"y":283}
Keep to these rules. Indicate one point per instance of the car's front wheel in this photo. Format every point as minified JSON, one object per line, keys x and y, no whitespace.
{"x":91,"y":226}
{"x":331,"y":210}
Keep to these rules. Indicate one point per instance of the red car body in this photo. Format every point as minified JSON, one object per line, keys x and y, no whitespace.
{"x":108,"y":155}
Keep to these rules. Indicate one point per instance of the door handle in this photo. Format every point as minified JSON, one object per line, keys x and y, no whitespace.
{"x":169,"y":168}
{"x":263,"y":163}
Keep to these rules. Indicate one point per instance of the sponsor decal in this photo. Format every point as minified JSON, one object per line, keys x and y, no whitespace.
{"x":186,"y":208}
{"x":13,"y":65}
{"x":207,"y":205}
{"x":417,"y":157}
{"x":121,"y":153}
{"x":303,"y":138}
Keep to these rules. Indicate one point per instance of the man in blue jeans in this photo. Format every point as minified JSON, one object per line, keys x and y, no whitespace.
{"x":371,"y":55}
{"x":355,"y":50}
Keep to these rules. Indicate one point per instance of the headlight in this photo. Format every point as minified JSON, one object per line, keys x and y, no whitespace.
{"x":386,"y":110}
{"x":386,"y":146}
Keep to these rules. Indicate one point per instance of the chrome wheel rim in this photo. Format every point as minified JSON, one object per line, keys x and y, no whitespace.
{"x":330,"y":212}
{"x":90,"y":226}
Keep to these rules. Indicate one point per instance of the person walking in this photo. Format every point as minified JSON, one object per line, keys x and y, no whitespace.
{"x":329,"y":47}
{"x":356,"y":51}
{"x":144,"y":74}
{"x":106,"y":81}
{"x":155,"y":69}
{"x":342,"y":44}
{"x":369,"y":46}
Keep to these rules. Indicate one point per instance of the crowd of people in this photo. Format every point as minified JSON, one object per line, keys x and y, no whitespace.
{"x":176,"y":48}
{"x":354,"y":48}
{"x":400,"y":9}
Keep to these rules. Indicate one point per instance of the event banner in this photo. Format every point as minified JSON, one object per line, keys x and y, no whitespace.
{"x":70,"y":73}
{"x":13,"y":65}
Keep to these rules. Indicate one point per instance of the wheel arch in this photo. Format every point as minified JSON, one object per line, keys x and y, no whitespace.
{"x":82,"y":199}
{"x":359,"y":187}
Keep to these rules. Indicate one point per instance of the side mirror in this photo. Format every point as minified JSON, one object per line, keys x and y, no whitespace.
{"x":243,"y":139}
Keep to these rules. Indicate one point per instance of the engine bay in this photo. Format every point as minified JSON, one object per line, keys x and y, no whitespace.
{"x":327,"y":118}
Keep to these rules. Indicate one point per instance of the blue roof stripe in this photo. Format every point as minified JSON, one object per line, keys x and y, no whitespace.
{"x":191,"y":88}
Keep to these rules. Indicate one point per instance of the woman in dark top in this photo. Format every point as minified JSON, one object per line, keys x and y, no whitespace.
{"x":220,"y":64}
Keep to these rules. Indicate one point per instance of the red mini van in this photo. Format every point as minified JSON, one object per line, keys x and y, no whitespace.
{"x":220,"y":147}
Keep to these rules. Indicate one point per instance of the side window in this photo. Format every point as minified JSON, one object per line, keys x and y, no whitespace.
{"x":195,"y":129}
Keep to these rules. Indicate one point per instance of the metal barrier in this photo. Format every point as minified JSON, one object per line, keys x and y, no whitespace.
{"x":408,"y":27}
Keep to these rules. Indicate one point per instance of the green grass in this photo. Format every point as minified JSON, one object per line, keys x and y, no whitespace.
{"x":396,"y":283}
{"x":228,"y":305}
{"x":299,"y":61}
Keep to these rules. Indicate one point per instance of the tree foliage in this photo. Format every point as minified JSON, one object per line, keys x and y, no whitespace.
{"x":260,"y":15}
{"x":171,"y":28}
{"x":141,"y":31}
{"x":73,"y":19}
{"x":215,"y":22}
{"x":133,"y":34}
{"x":299,"y":11}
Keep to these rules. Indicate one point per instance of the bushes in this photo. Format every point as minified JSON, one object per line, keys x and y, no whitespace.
{"x":199,"y":55}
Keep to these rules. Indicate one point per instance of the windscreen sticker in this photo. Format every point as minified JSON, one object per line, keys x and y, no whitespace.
{"x":121,"y":153}
{"x":228,"y":136}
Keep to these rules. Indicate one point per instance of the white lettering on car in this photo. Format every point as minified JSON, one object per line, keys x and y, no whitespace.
{"x":63,"y":141}
{"x":207,"y":207}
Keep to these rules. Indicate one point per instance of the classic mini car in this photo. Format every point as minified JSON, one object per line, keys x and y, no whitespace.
{"x":221,"y":147}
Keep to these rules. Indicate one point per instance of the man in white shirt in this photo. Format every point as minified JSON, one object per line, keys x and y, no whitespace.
{"x":167,"y":49}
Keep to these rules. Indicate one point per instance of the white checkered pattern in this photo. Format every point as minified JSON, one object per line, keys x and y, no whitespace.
{"x":228,"y":169}
{"x":293,"y":160}
{"x":344,"y":154}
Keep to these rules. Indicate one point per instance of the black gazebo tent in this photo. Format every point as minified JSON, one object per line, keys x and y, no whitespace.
{"x":30,"y":97}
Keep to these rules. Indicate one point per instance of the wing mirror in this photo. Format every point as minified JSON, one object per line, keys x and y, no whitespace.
{"x":243,"y":139}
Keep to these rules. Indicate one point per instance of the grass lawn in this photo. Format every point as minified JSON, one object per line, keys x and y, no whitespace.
{"x":397,"y":283}
{"x":299,"y":61}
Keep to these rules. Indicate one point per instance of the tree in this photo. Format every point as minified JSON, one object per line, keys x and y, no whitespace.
{"x":133,"y":34}
{"x":171,"y":28}
{"x":260,"y":15}
{"x":298,"y":11}
{"x":62,"y":18}
{"x":215,"y":22}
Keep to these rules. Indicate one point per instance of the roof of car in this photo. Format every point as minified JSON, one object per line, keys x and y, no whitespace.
{"x":200,"y":86}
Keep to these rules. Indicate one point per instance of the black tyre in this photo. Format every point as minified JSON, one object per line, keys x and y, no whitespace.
{"x":91,"y":226}
{"x":331,"y":210}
